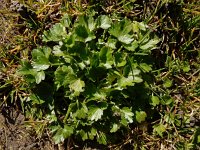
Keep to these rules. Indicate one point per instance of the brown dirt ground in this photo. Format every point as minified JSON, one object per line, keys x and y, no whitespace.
{"x":14,"y":135}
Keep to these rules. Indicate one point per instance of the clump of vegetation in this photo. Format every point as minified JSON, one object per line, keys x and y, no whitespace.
{"x":93,"y":78}
{"x":103,"y":70}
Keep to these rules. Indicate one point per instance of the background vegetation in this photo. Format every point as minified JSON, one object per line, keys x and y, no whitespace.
{"x":140,"y":89}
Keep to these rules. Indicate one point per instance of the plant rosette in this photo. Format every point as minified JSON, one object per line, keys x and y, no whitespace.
{"x":91,"y":78}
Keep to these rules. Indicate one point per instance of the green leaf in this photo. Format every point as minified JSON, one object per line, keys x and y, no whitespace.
{"x":83,"y":134}
{"x":166,"y":100}
{"x":141,"y":25}
{"x":155,"y":100}
{"x":101,"y":138}
{"x":56,"y":33}
{"x":132,"y":46}
{"x":36,"y":99}
{"x":150,"y":44}
{"x":99,"y":96}
{"x":123,"y":82}
{"x":159,"y":129}
{"x":111,"y":43}
{"x":106,"y":57}
{"x":145,"y":67}
{"x":28,"y":72}
{"x":104,"y":22}
{"x":137,"y":26}
{"x":120,"y":59}
{"x":52,"y":117}
{"x":81,"y":31}
{"x":26,"y":68}
{"x":57,"y":51}
{"x":127,"y":70}
{"x":67,"y":131}
{"x":87,"y":21}
{"x":168,"y":83}
{"x":40,"y":58}
{"x":112,"y":76}
{"x":43,"y":52}
{"x":62,"y":134}
{"x":127,"y":39}
{"x":64,"y":76}
{"x":135,"y":71}
{"x":140,"y":116}
{"x":58,"y":137}
{"x":198,"y":139}
{"x":84,"y":28}
{"x":95,"y":113}
{"x":115,"y":127}
{"x":137,"y":79}
{"x":69,"y":41}
{"x":77,"y":87}
{"x":39,"y":76}
{"x":92,"y":133}
{"x":121,"y":30}
{"x":81,"y":113}
{"x":66,"y":20}
{"x":91,"y":23}
{"x":127,"y":114}
{"x":124,"y":122}
{"x":186,"y":66}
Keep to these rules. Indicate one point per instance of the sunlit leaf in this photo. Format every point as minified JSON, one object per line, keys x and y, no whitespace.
{"x":145,"y":67}
{"x":56,"y":33}
{"x":155,"y":100}
{"x":121,"y":31}
{"x":127,"y":113}
{"x":115,"y":127}
{"x":101,"y":138}
{"x":40,"y":58}
{"x":137,"y":79}
{"x":140,"y":116}
{"x":131,"y":46}
{"x":159,"y":129}
{"x":95,"y":112}
{"x":111,"y":43}
{"x":123,"y":81}
{"x":92,"y":133}
{"x":167,"y":83}
{"x":66,"y":20}
{"x":127,"y":39}
{"x":150,"y":44}
{"x":62,"y":134}
{"x":104,"y":22}
{"x":77,"y":87}
{"x":39,"y":76}
{"x":84,"y":135}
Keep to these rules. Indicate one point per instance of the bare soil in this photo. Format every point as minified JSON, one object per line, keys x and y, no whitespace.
{"x":14,"y":135}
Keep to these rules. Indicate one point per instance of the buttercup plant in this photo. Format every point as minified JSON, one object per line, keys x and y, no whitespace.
{"x":91,"y":77}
